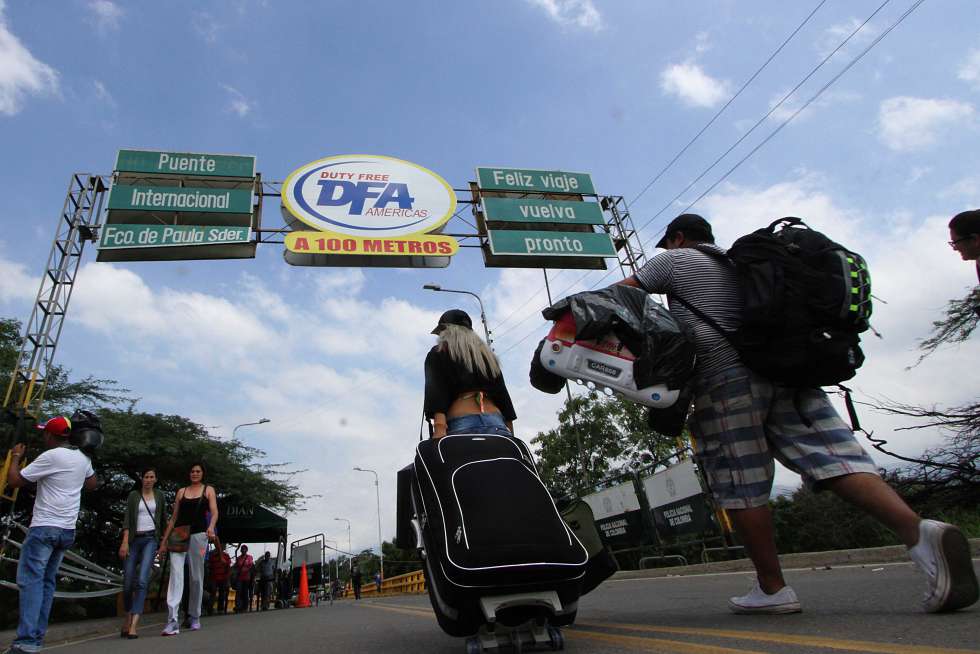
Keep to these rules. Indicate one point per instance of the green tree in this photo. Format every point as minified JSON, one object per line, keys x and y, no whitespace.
{"x":614,"y":438}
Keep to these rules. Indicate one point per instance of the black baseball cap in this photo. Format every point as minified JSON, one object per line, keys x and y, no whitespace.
{"x":689,"y":223}
{"x":453,"y":317}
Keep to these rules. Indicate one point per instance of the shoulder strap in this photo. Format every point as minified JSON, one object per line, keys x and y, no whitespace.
{"x":150,"y":513}
{"x":729,"y":336}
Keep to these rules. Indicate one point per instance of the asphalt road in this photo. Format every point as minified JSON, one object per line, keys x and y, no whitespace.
{"x":856,"y":609}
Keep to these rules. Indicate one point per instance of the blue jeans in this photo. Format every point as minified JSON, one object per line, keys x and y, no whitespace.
{"x":478,"y":423}
{"x":37,"y":573}
{"x":141,"y":552}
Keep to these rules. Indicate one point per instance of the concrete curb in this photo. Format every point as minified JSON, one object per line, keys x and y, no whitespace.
{"x":890,"y":554}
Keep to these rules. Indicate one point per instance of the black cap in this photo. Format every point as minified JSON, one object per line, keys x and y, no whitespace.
{"x":453,"y":317}
{"x":689,"y":223}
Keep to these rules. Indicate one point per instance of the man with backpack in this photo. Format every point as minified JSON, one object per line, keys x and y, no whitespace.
{"x":60,"y":473}
{"x":742,"y":420}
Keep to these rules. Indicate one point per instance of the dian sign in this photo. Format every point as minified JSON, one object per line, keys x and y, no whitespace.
{"x":368,"y":197}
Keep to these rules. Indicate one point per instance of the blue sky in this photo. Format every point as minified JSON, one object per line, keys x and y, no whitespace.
{"x":333,"y":356}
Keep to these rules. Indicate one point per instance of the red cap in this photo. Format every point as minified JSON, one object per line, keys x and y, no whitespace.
{"x":58,"y":426}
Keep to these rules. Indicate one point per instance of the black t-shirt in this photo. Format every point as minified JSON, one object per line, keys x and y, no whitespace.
{"x":445,"y":380}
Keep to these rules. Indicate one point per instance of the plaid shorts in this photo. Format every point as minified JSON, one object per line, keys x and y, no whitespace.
{"x":742,"y":421}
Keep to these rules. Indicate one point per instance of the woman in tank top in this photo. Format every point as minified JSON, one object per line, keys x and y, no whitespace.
{"x":197,"y":507}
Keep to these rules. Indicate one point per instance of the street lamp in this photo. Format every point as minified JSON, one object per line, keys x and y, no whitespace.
{"x":261,"y":421}
{"x":350,"y":550}
{"x":377,"y":494}
{"x":336,"y":545}
{"x":483,"y":315}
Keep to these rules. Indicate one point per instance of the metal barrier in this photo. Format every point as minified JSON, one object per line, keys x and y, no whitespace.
{"x":727,"y":549}
{"x":411,"y":583}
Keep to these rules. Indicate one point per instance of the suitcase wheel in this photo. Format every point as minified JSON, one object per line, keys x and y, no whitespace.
{"x":557,"y":638}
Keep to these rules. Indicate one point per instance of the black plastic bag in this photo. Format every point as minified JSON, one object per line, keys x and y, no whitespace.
{"x":664,"y":353}
{"x":670,"y":421}
{"x":543,"y":379}
{"x":86,"y":432}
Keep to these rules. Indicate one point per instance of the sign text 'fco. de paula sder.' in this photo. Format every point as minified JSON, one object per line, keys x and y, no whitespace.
{"x":369,"y":204}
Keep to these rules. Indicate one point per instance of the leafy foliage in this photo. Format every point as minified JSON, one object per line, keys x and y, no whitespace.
{"x":614,"y":438}
{"x":957,"y":324}
{"x":135,"y":441}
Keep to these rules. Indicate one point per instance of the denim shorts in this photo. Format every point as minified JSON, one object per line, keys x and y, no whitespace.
{"x":478,"y":423}
{"x":742,"y":422}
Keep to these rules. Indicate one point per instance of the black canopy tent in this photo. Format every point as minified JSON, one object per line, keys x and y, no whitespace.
{"x":246,"y":522}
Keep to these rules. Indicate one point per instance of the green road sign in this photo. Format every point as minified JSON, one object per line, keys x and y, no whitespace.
{"x":534,"y":181}
{"x":192,"y":200}
{"x":542,"y":211}
{"x":116,"y":237}
{"x":551,"y":244}
{"x":185,"y":163}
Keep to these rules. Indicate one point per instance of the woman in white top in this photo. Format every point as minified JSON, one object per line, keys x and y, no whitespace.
{"x":141,"y":530}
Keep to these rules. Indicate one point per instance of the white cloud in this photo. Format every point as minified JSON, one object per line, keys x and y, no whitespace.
{"x":237,"y":102}
{"x":102,"y":95}
{"x":833,"y":35}
{"x":15,"y":283}
{"x":693,"y":86}
{"x":701,"y":42}
{"x":906,"y":123}
{"x":970,"y":69}
{"x":792,"y":105}
{"x":572,"y":13}
{"x":206,"y":26}
{"x":106,"y":15}
{"x":967,"y":188}
{"x":20,"y":72}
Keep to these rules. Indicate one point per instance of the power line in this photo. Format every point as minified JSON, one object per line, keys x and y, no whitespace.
{"x":677,"y":156}
{"x":779,"y":128}
{"x":727,"y":104}
{"x":765,"y":117}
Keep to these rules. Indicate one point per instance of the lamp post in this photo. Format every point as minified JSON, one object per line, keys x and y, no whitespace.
{"x":377,"y":495}
{"x":336,"y":545}
{"x":350,"y":550}
{"x":261,"y":421}
{"x":483,"y":315}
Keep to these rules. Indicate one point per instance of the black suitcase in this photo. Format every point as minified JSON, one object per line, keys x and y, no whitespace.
{"x":495,"y":548}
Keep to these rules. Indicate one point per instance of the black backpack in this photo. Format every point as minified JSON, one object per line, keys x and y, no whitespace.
{"x":807,"y":299}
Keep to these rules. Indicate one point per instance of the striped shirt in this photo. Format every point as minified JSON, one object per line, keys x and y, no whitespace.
{"x":708,"y":283}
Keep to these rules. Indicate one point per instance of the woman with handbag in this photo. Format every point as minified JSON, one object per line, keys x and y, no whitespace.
{"x":190,"y":528}
{"x":142,"y":526}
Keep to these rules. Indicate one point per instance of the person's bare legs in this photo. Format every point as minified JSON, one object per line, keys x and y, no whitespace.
{"x":875,"y":497}
{"x":133,"y":621}
{"x":755,"y":530}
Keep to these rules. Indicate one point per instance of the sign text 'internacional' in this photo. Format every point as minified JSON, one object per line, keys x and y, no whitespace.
{"x":161,"y":198}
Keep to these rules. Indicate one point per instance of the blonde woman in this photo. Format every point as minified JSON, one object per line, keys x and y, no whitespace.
{"x":464,"y":387}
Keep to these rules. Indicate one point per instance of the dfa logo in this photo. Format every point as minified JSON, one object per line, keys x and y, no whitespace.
{"x":368,"y":196}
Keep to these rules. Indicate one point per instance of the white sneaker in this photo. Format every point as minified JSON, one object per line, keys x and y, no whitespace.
{"x":758,"y":601}
{"x":943,"y":553}
{"x":172,"y":629}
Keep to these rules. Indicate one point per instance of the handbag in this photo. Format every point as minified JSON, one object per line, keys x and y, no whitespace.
{"x":180,"y":537}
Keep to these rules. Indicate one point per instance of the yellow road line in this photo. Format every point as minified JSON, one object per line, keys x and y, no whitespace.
{"x":654,"y":644}
{"x":409,"y":611}
{"x":786,"y":639}
{"x":632,"y":642}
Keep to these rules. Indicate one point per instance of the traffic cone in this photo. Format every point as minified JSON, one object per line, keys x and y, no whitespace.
{"x":303,"y":597}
